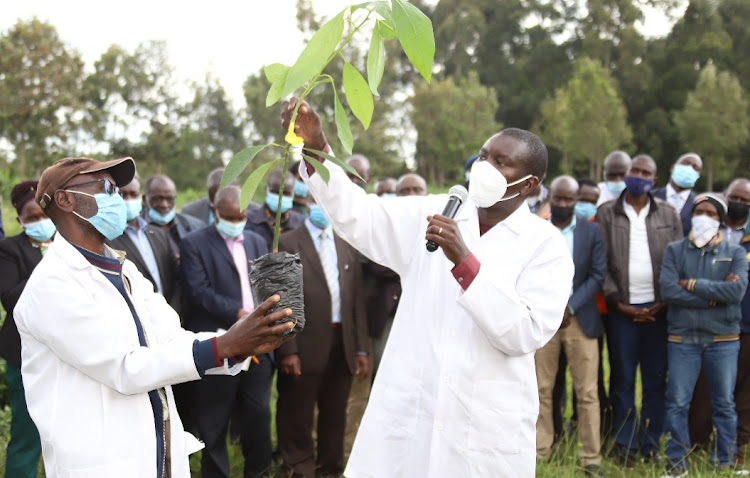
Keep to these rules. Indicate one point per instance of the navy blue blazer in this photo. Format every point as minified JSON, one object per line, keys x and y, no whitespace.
{"x":686,"y":214}
{"x":213,"y":294}
{"x":590,"y":260}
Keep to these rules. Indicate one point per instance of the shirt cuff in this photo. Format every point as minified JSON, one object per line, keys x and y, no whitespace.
{"x":467,"y":271}
{"x":362,"y":353}
{"x":310,"y":167}
{"x":205,"y":356}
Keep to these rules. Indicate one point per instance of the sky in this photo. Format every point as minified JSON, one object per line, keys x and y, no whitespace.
{"x":231,"y":39}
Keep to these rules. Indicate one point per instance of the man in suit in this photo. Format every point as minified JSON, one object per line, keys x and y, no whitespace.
{"x":679,"y":190}
{"x":148,"y":247}
{"x":216,"y":262}
{"x":316,"y":367}
{"x":580,"y":329}
{"x":160,"y":198}
{"x":262,"y":220}
{"x":203,"y":208}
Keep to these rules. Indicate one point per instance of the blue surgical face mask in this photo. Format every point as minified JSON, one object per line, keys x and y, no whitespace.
{"x":161,"y":219}
{"x":638,"y":186}
{"x":111,"y":218}
{"x":388,"y":195}
{"x":41,"y":230}
{"x":272,"y":201}
{"x":231,"y":229}
{"x":616,"y":187}
{"x":300,"y":189}
{"x":586,"y":210}
{"x":317,"y":217}
{"x":135,"y":206}
{"x":684,"y":175}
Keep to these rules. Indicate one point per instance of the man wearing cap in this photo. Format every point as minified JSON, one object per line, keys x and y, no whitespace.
{"x":703,"y":279}
{"x":100,"y":348}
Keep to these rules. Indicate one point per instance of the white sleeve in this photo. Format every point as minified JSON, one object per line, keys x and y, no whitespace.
{"x":385,"y":230}
{"x":521,"y":319}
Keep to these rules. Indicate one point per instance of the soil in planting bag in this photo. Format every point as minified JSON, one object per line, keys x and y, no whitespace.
{"x":280,"y":273}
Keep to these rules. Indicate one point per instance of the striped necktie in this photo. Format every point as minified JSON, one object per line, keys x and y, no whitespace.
{"x":326,"y":252}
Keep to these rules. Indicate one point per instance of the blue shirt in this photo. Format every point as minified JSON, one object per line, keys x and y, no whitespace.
{"x":140,"y":239}
{"x":568,"y":234}
{"x":316,"y":232}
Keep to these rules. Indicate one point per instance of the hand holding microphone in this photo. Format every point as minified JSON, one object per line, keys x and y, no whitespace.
{"x":443,"y":231}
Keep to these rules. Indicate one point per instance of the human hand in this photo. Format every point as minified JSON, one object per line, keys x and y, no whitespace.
{"x":566,"y":319}
{"x":656,"y":309}
{"x":732,"y":278}
{"x":361,"y":367}
{"x":444,"y":232}
{"x":291,"y":365}
{"x":253,"y":334}
{"x":307,"y":125}
{"x":627,"y":310}
{"x":683,"y":283}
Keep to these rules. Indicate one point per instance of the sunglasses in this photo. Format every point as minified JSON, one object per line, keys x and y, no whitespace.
{"x":109,"y":187}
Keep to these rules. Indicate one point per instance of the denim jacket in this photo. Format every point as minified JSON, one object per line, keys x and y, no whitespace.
{"x":713,"y":306}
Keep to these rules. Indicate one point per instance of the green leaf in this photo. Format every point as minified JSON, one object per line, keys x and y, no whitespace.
{"x":375,"y":61}
{"x":384,"y":10}
{"x":239,"y":162}
{"x":275,"y":72}
{"x":325,"y":175}
{"x":386,"y":29}
{"x":342,"y":126}
{"x":315,"y":56}
{"x":252,"y":182}
{"x":358,"y":94}
{"x":335,"y":160}
{"x":275,"y":92}
{"x":415,"y":33}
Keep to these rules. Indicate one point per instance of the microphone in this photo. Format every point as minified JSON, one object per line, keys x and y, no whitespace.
{"x":458,"y":195}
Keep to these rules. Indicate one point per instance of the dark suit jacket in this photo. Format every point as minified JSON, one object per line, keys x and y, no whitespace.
{"x":18,"y":258}
{"x":165,"y":262}
{"x":384,"y":292}
{"x":213,"y":294}
{"x":590,"y":260}
{"x":317,"y":336}
{"x":199,"y":209}
{"x":260,"y":220}
{"x":686,"y":214}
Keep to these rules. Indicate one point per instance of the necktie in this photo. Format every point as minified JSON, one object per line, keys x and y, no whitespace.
{"x":326,"y":252}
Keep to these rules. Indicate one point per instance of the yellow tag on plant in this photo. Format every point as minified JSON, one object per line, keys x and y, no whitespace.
{"x":291,"y":137}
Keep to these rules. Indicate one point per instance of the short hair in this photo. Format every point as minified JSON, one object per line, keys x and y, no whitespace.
{"x":294,"y":167}
{"x":536,"y":162}
{"x":587,"y":182}
{"x":157,"y":177}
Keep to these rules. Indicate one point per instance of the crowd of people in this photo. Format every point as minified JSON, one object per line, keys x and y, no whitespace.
{"x":659,"y":275}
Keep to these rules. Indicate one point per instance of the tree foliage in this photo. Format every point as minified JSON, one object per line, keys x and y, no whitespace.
{"x":453,"y":119}
{"x":714,"y":121}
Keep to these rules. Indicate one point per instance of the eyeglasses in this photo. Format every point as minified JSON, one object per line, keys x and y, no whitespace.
{"x":109,"y":187}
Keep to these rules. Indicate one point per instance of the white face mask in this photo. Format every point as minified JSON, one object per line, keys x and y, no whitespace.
{"x":704,"y":229}
{"x":487,"y":185}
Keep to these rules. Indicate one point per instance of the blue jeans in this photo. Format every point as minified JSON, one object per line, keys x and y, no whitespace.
{"x":719,"y":360}
{"x":630,"y":345}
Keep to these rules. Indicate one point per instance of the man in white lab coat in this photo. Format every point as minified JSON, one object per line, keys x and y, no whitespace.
{"x":100,"y":348}
{"x":456,"y":394}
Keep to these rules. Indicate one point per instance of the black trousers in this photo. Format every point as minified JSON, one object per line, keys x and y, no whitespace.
{"x":295,"y":410}
{"x":214,"y":397}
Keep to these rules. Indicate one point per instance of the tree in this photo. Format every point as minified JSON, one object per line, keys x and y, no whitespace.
{"x":715,"y":121}
{"x":453,"y":119}
{"x":40,"y":82}
{"x":586,"y":118}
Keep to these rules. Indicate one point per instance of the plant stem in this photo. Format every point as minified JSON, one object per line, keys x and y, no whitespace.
{"x":312,"y":84}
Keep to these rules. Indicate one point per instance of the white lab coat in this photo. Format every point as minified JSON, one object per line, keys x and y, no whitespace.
{"x":456,"y":392}
{"x":87,"y":378}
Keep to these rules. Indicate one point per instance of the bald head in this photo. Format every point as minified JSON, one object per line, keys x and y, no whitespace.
{"x":411,"y":184}
{"x":385,"y":186}
{"x":361,"y":164}
{"x":227,"y":205}
{"x":616,"y":166}
{"x":563,"y":183}
{"x":691,"y":159}
{"x":213,"y":182}
{"x":161,"y":193}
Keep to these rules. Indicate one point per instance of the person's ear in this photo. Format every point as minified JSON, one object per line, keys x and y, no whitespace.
{"x":531,"y":184}
{"x":65,"y":201}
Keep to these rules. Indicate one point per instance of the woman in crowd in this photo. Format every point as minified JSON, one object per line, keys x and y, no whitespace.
{"x":19,"y":255}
